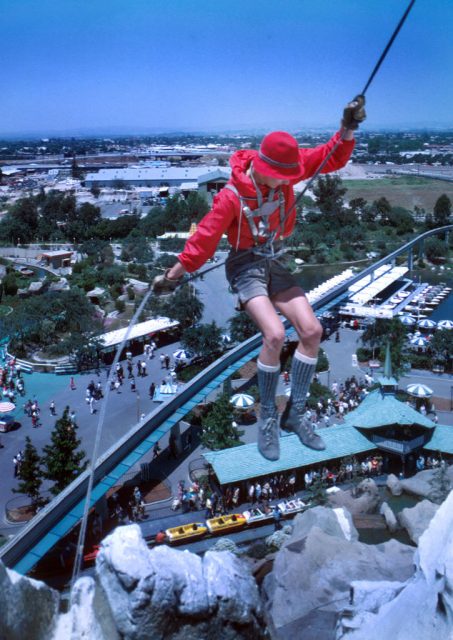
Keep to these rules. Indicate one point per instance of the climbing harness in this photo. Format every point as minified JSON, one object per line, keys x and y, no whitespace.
{"x":260,"y":229}
{"x":266,"y":250}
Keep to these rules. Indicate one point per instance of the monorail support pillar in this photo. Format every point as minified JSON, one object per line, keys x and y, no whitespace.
{"x":421,"y":250}
{"x":410,"y":260}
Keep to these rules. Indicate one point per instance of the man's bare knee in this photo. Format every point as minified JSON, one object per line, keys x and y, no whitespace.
{"x":274,"y":340}
{"x":312,"y":333}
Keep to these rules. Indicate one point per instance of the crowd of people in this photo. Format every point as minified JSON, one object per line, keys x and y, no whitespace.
{"x":11,"y":379}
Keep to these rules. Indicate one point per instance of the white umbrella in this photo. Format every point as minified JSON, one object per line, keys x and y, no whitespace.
{"x":408,"y":320}
{"x":419,"y":390}
{"x":182,"y":355}
{"x":242,"y":401}
{"x":419,"y":341}
{"x":445,"y":324}
{"x":226,"y":339}
{"x":6,"y":407}
{"x":426,"y":323}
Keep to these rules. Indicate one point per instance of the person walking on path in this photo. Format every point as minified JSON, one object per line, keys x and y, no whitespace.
{"x":53,"y":411}
{"x":162,"y":360}
{"x":72,"y":385}
{"x":92,"y":407}
{"x":152,"y":390}
{"x":256,"y":211}
{"x":277,"y":514}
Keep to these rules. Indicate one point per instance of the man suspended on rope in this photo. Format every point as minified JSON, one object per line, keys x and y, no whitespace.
{"x":256,"y":211}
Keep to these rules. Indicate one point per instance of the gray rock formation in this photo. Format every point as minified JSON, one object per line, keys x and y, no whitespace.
{"x":311,"y":578}
{"x":165,"y":593}
{"x":28,"y":608}
{"x":363,"y":499}
{"x":423,"y":608}
{"x":416,"y":520}
{"x":89,"y":615}
{"x":389,"y":517}
{"x":423,"y":483}
{"x":394,"y":485}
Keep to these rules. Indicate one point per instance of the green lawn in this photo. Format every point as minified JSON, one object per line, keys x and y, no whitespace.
{"x":402,"y":191}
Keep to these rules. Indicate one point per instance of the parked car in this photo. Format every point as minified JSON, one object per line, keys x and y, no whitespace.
{"x":7,"y":423}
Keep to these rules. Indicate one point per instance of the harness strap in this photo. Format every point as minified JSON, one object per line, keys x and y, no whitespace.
{"x":264,"y":210}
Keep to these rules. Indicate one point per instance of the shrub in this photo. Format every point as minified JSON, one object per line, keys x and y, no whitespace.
{"x":363,"y":354}
{"x":421,"y":361}
{"x":120,"y":305}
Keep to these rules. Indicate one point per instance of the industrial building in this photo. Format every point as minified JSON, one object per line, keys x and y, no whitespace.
{"x":203,"y":178}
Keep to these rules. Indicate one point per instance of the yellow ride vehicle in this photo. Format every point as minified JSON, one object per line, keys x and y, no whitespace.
{"x":226,"y":523}
{"x":186,"y":532}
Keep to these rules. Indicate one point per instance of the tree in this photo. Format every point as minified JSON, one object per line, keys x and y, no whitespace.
{"x":183,"y":305}
{"x":218,"y":431}
{"x":242,"y":327}
{"x":377,"y":335}
{"x":62,"y":461}
{"x":203,"y":338}
{"x":10,"y":284}
{"x":382,"y":209}
{"x":442,"y":346}
{"x":329,"y":194}
{"x":358,"y":206}
{"x":76,"y":171}
{"x":30,"y":473}
{"x":442,"y":210}
{"x":317,"y":494}
{"x":435,"y":249}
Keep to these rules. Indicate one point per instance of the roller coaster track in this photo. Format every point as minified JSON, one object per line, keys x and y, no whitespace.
{"x":64,"y":512}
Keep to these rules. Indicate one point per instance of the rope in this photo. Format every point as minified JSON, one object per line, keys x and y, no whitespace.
{"x":191,"y":278}
{"x":94,"y":456}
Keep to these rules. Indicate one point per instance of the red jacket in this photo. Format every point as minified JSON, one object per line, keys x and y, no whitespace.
{"x":224,"y":216}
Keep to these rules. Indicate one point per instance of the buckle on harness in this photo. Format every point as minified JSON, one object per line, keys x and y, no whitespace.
{"x":268,"y":249}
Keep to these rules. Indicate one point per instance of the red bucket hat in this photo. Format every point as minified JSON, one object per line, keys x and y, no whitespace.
{"x":278,"y":157}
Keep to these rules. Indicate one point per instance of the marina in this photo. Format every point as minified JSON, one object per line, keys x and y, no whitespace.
{"x":392,"y":293}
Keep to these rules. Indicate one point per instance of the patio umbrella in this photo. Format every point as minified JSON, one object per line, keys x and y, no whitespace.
{"x":419,"y":390}
{"x":408,"y":320}
{"x":226,"y":339}
{"x":419,"y":341}
{"x":445,"y":324}
{"x":426,"y":323}
{"x":182,"y":355}
{"x":242,"y":401}
{"x":6,"y":407}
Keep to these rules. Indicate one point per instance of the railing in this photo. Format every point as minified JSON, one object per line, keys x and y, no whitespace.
{"x":398,"y":446}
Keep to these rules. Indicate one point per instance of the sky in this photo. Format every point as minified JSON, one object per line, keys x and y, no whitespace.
{"x":73,"y":67}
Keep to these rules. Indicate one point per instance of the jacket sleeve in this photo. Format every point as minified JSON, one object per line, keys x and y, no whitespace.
{"x":202,"y":244}
{"x":312,"y":158}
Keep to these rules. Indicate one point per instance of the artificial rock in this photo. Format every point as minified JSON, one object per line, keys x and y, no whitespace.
{"x":423,"y":608}
{"x":416,"y":519}
{"x":312,"y":573}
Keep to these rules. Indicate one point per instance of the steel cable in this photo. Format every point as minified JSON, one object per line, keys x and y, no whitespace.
{"x":83,"y":526}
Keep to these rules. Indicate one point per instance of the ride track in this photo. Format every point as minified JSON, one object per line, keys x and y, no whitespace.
{"x":74,"y":503}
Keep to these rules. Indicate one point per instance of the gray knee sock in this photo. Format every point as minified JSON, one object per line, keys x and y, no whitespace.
{"x":267,"y":382}
{"x":302,"y":372}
